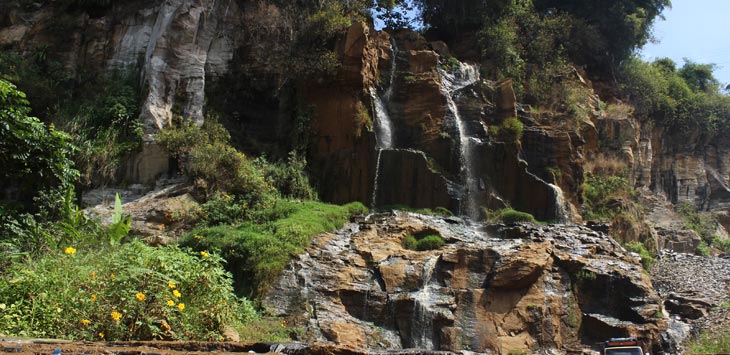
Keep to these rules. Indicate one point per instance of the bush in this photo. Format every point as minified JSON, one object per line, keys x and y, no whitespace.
{"x":429,"y":242}
{"x":35,"y":157}
{"x":133,"y":291}
{"x":510,"y":216}
{"x":288,"y":178}
{"x":510,"y":131}
{"x":257,"y":250}
{"x":602,"y":196}
{"x":647,"y":260}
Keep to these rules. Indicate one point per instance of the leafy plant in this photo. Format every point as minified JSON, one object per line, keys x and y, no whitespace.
{"x":34,"y":156}
{"x":510,"y":131}
{"x":131,"y":291}
{"x":647,"y":260}
{"x":121,"y":225}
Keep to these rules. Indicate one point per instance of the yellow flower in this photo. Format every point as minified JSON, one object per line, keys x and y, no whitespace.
{"x":92,"y":275}
{"x":171,"y":303}
{"x":112,"y":276}
{"x":70,"y":250}
{"x":181,"y":306}
{"x":140,"y":296}
{"x":101,"y":335}
{"x":177,"y":294}
{"x":171,"y":284}
{"x":116,"y":315}
{"x":93,"y":298}
{"x":204,"y":254}
{"x":85,"y":321}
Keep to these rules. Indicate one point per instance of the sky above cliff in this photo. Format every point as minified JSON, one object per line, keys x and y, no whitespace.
{"x":696,"y":30}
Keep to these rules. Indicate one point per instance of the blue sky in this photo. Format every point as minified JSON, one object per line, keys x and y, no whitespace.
{"x":698,"y":30}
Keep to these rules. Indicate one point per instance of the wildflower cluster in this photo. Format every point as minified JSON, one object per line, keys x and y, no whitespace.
{"x":132,"y":291}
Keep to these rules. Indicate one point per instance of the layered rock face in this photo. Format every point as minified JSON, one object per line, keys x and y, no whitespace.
{"x":512,"y":289}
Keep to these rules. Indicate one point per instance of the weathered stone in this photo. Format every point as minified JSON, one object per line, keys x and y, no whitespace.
{"x":549,"y":288}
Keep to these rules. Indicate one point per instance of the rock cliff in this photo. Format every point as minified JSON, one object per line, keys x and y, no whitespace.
{"x":508,"y":289}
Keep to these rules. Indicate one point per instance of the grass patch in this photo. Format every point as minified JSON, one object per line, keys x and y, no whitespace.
{"x":428,"y":242}
{"x":710,"y":344}
{"x":256,"y":251}
{"x":647,"y":260}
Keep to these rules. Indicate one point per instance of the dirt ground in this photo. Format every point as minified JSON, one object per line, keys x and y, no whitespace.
{"x":47,"y":347}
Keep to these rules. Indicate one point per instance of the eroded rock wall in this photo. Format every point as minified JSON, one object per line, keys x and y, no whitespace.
{"x":514,"y":289}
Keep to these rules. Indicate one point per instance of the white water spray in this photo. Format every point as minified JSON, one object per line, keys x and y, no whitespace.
{"x":464,"y":75}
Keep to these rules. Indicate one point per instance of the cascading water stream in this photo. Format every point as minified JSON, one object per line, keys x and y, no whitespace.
{"x":463,"y":76}
{"x":562,"y":214}
{"x":423,"y":334}
{"x":383,"y":123}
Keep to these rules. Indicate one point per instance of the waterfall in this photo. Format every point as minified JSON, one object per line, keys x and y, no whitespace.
{"x":422,"y":331}
{"x":373,"y":200}
{"x":562,"y":213}
{"x":464,"y":75}
{"x":383,"y":123}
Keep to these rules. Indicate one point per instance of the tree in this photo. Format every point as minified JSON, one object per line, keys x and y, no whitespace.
{"x":34,"y":157}
{"x":699,"y":77}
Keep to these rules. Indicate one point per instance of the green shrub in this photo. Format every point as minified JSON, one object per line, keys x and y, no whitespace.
{"x":257,"y":250}
{"x":428,"y":242}
{"x":510,"y":131}
{"x":702,"y":249}
{"x":121,"y":293}
{"x":513,"y":216}
{"x":703,"y":224}
{"x":601,"y":193}
{"x":647,"y":260}
{"x":288,"y":178}
{"x":722,"y":244}
{"x":35,"y":157}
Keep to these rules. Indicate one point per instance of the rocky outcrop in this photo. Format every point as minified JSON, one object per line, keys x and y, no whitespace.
{"x":509,"y":289}
{"x":682,"y":166}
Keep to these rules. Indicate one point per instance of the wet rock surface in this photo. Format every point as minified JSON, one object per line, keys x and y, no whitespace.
{"x":500,"y":289}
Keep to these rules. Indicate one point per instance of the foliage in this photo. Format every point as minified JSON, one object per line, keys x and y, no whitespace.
{"x":99,"y":111}
{"x":704,"y":225}
{"x":647,"y":260}
{"x":288,"y":178}
{"x":268,"y":330}
{"x":132,"y":291}
{"x":106,"y":124}
{"x":428,"y":242}
{"x":205,"y":154}
{"x":602,"y":195}
{"x":710,"y":344}
{"x":685,"y":100}
{"x":34,"y":156}
{"x":510,"y":131}
{"x":257,"y":250}
{"x":510,"y":216}
{"x":702,"y":249}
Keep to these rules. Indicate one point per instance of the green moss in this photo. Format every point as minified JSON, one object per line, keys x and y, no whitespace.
{"x":428,"y":242}
{"x":513,"y":216}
